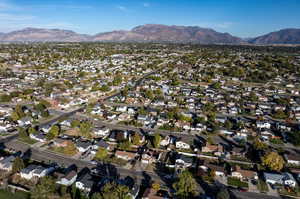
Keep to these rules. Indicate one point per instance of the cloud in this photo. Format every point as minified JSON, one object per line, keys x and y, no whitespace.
{"x":146,"y":5}
{"x":122,"y":8}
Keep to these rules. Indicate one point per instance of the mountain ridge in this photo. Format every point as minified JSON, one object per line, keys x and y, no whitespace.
{"x":151,"y":33}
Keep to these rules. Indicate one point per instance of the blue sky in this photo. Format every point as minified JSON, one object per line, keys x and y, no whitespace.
{"x":244,"y":18}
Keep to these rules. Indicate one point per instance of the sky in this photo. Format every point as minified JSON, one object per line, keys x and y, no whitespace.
{"x":243,"y":18}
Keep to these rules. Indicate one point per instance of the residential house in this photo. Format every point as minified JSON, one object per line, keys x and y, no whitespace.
{"x":182,"y":145}
{"x":218,"y":170}
{"x":125,"y":155}
{"x":35,"y":171}
{"x":40,"y":137}
{"x":67,"y":179}
{"x":25,"y":121}
{"x":166,"y":141}
{"x":83,"y":146}
{"x":282,"y":179}
{"x":59,"y":142}
{"x":85,"y":182}
{"x":183,"y":161}
{"x":244,"y":174}
{"x":101,"y":144}
{"x":7,"y":162}
{"x":263,"y":124}
{"x":101,"y":131}
{"x":150,"y":193}
{"x":293,"y":159}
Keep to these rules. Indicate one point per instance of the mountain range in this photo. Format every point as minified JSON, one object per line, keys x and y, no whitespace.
{"x":151,"y":33}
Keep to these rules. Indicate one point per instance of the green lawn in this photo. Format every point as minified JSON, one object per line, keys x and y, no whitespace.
{"x":18,"y":195}
{"x":27,"y":140}
{"x":262,"y":186}
{"x":237,"y":182}
{"x":295,"y":192}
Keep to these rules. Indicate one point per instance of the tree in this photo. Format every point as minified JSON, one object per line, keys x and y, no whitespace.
{"x":101,"y":153}
{"x":228,"y":124}
{"x":295,"y":138}
{"x":40,"y":107}
{"x":44,"y":189}
{"x":53,"y":133}
{"x":136,"y":139}
{"x":5,"y":98}
{"x":18,"y":113}
{"x":273,"y":161}
{"x":259,"y":145}
{"x":14,"y":116}
{"x":125,"y":145}
{"x":186,"y":185}
{"x":156,"y":140}
{"x":113,"y":190}
{"x":75,"y":123}
{"x":32,"y":130}
{"x":18,"y":165}
{"x":149,"y":94}
{"x":156,"y":186}
{"x":223,"y":194}
{"x":85,"y":128}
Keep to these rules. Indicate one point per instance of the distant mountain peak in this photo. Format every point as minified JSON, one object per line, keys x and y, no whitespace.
{"x":283,"y":36}
{"x":151,"y":33}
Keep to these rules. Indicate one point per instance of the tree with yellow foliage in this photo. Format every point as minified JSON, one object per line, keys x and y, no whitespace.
{"x":273,"y":161}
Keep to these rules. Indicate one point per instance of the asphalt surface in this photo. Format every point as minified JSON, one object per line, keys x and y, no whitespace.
{"x":47,"y":156}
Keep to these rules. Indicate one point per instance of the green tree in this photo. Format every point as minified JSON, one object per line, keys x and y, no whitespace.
{"x":14,"y":116}
{"x":186,"y":185}
{"x":45,"y":189}
{"x":85,"y":128}
{"x":125,"y":145}
{"x":18,"y":165}
{"x":32,"y":130}
{"x":149,"y":94}
{"x":53,"y":133}
{"x":40,"y":107}
{"x":75,"y":123}
{"x":273,"y":161}
{"x":228,"y":124}
{"x":5,"y":98}
{"x":113,"y":190}
{"x":101,"y":153}
{"x":156,"y":140}
{"x":223,"y":194}
{"x":136,"y":139}
{"x":259,"y":145}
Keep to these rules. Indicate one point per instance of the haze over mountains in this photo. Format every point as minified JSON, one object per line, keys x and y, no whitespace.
{"x":151,"y":33}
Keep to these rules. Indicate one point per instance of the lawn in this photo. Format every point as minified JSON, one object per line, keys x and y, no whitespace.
{"x":237,"y":182}
{"x":18,"y":195}
{"x":69,"y":150}
{"x":27,"y":140}
{"x":262,"y":186}
{"x":294,"y":192}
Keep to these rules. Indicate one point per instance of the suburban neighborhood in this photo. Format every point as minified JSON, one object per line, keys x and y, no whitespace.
{"x":134,"y":120}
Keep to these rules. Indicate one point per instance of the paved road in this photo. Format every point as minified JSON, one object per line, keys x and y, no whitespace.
{"x":252,"y":195}
{"x":137,"y":83}
{"x":64,"y":161}
{"x":8,"y":138}
{"x":60,"y":116}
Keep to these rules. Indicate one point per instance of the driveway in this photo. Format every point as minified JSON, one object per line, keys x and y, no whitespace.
{"x":253,"y":188}
{"x":272,"y":192}
{"x":221,"y":180}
